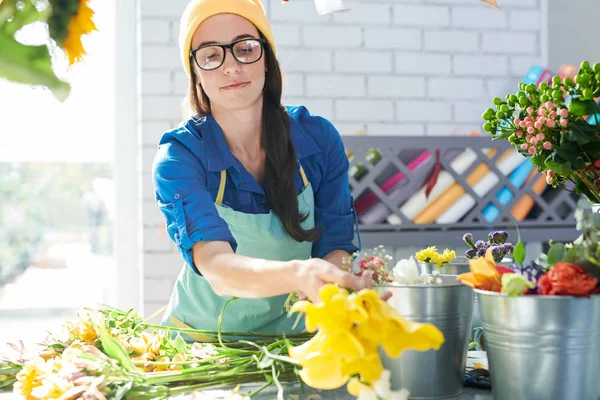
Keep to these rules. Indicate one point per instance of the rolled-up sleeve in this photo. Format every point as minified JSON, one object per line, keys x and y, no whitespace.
{"x":334,"y":213}
{"x":181,"y":194}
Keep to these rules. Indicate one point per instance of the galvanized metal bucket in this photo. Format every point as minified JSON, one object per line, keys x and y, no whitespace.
{"x":542,"y":347}
{"x":433,"y":374}
{"x":457,"y":266}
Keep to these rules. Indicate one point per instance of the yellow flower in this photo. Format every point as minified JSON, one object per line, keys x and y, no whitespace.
{"x":484,"y":275}
{"x":402,"y":334}
{"x":30,"y":377}
{"x":84,"y":328}
{"x":165,"y":367}
{"x":80,"y":24}
{"x":333,"y":313}
{"x":426,"y":255}
{"x":53,"y":387}
{"x":446,"y":256}
{"x":180,"y":357}
{"x":144,"y":357}
{"x":323,"y":358}
{"x":348,"y":344}
{"x":385,"y":326}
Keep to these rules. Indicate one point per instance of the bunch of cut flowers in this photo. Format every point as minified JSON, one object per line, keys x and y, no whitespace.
{"x":567,"y":269}
{"x":65,"y":22}
{"x":108,"y":353}
{"x":557,"y":126}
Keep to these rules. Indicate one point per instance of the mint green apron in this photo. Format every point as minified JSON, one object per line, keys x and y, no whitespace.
{"x":194,"y":304}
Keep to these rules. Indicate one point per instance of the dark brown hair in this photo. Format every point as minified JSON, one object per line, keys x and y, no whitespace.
{"x":280,"y":163}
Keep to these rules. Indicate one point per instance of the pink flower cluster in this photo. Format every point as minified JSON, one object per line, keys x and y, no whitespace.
{"x":379,"y":268}
{"x":548,"y":115}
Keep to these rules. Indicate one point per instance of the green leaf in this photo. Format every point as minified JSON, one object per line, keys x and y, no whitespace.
{"x":113,"y":349}
{"x":556,"y":253}
{"x":571,"y":152}
{"x":557,"y":164}
{"x":31,"y":65}
{"x":180,"y":344}
{"x":579,"y":134}
{"x":519,"y":252}
{"x":538,"y":161}
{"x":593,"y":149}
{"x":123,"y":390}
{"x":581,"y":108}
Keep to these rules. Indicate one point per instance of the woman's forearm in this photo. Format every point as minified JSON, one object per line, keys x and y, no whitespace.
{"x":336,"y":257}
{"x":232,"y":274}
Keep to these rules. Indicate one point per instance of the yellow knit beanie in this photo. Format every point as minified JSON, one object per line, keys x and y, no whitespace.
{"x":199,"y":10}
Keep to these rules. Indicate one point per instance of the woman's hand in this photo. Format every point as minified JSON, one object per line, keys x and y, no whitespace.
{"x":313,"y":273}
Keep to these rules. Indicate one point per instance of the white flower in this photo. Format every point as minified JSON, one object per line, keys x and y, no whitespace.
{"x":382,"y":390}
{"x":406,"y":271}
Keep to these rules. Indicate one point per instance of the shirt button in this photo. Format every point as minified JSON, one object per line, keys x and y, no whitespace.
{"x":177,"y":196}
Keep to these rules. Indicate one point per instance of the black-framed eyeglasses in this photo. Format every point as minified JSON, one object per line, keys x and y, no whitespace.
{"x":212,"y":56}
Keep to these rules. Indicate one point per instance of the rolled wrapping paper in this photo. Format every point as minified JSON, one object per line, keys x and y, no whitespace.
{"x":330,"y":6}
{"x":505,"y":195}
{"x":379,"y":212}
{"x":526,"y":203}
{"x":484,"y":186}
{"x":418,"y":202}
{"x":437,"y":208}
{"x":364,"y":202}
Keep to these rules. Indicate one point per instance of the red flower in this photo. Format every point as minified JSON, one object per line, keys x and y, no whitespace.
{"x":504,"y":270}
{"x":566,"y":279}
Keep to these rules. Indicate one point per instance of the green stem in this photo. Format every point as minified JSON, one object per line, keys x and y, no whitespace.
{"x":244,"y":334}
{"x":260,"y":389}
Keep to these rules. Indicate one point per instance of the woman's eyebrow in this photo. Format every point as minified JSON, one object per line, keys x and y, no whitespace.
{"x":238,"y":37}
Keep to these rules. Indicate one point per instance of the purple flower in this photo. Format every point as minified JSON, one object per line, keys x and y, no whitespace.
{"x":532,"y":272}
{"x":481,"y":252}
{"x":498,"y":237}
{"x":508,"y":248}
{"x":468,"y":239}
{"x":471,"y":253}
{"x":480,"y":244}
{"x":497,"y":253}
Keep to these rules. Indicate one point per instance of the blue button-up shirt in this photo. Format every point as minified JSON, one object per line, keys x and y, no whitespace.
{"x":186,"y":175}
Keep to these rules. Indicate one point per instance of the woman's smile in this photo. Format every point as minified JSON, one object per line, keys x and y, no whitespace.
{"x":236,"y":85}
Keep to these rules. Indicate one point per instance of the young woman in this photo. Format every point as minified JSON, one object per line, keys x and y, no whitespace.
{"x":255,"y":194}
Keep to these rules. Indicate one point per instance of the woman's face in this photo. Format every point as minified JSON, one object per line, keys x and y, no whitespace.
{"x":233,"y":85}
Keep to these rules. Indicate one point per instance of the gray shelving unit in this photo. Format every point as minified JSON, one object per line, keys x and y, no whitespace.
{"x":551,"y":216}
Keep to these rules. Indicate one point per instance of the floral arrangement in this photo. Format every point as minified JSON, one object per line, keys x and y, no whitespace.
{"x":555,"y":125}
{"x":109,"y":353}
{"x":375,"y":260}
{"x":405,"y":272}
{"x":496,"y":240}
{"x":562,"y":275}
{"x":351,"y":328}
{"x":431,"y":255}
{"x":66,"y":21}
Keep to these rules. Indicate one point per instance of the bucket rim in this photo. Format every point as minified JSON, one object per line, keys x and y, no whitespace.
{"x":423,"y":285}
{"x":536,"y":296}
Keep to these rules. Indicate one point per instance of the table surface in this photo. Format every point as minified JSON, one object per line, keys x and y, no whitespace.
{"x":294,"y":392}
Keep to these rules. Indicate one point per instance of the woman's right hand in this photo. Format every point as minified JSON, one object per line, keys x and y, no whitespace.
{"x":313,"y":273}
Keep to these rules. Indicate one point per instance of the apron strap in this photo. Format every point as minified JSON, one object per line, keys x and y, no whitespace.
{"x":303,"y":175}
{"x":221,"y":191}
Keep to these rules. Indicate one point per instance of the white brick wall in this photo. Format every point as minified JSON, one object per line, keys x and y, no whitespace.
{"x":392,"y":67}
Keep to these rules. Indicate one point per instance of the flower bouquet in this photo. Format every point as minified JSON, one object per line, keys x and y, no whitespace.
{"x":65,"y":22}
{"x":539,"y":314}
{"x":112,"y":354}
{"x":557,"y":126}
{"x":425,"y":296}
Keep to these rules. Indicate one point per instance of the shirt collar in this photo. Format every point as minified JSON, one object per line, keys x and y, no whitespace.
{"x":219,"y":157}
